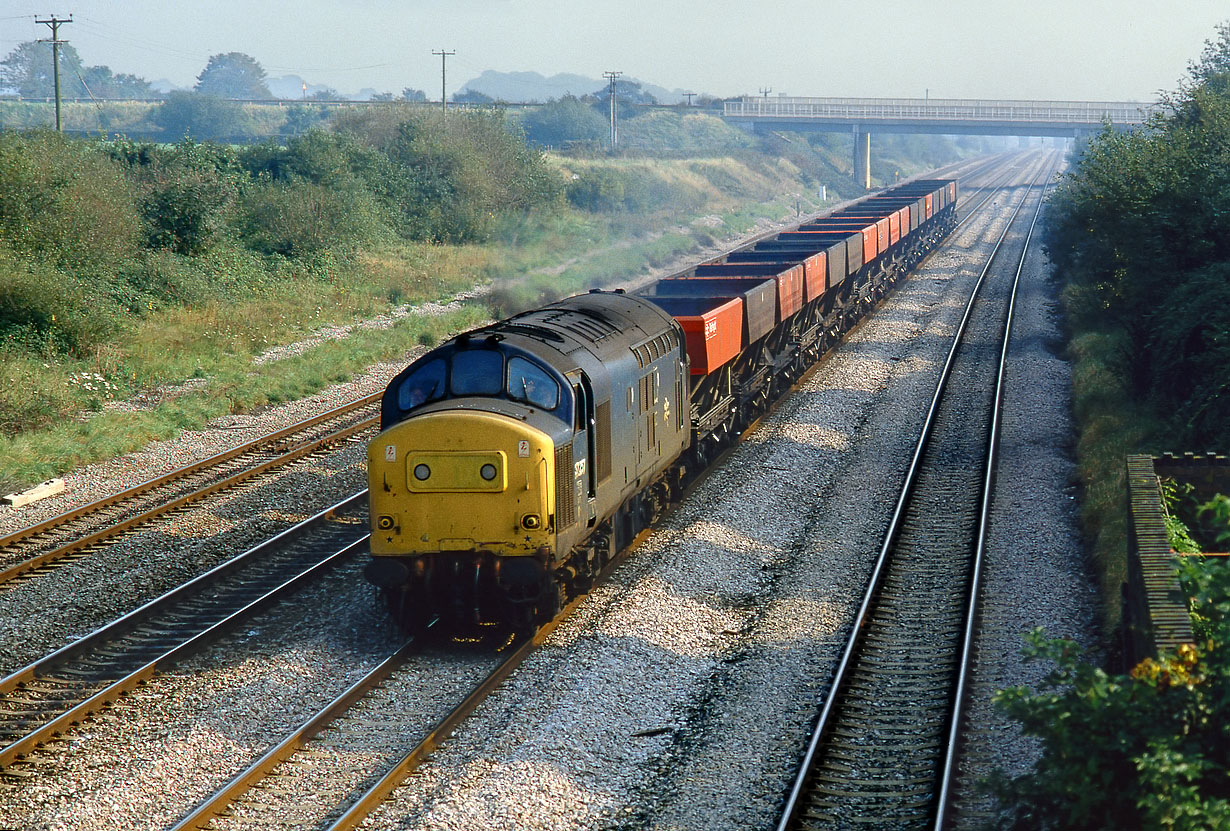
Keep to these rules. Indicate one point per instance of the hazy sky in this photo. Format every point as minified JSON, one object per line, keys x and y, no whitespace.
{"x":1035,"y":49}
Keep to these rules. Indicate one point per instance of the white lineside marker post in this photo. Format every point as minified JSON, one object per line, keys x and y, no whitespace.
{"x":49,"y":488}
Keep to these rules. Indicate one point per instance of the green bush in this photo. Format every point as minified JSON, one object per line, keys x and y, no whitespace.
{"x":453,"y":174}
{"x":1141,"y":751}
{"x":302,"y":219}
{"x":182,"y":211}
{"x":319,"y":157}
{"x":563,"y":122}
{"x":47,"y":311}
{"x":184,"y":191}
{"x":1189,"y":349}
{"x":1140,"y":230}
{"x":201,"y":117}
{"x":600,"y":190}
{"x":63,"y":202}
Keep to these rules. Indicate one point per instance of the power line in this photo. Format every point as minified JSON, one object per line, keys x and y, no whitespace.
{"x":55,"y":23}
{"x":443,"y":95}
{"x":104,"y":31}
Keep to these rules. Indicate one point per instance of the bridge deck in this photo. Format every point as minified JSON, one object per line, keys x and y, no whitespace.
{"x":930,"y":115}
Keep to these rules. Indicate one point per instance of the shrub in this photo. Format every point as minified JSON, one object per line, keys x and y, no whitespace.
{"x":302,"y":218}
{"x":563,"y":122}
{"x":319,"y":157}
{"x":600,"y":190}
{"x":182,"y":211}
{"x":64,"y":203}
{"x":1189,"y":345}
{"x":1141,"y":751}
{"x":47,"y":311}
{"x":201,"y":117}
{"x":453,"y":174}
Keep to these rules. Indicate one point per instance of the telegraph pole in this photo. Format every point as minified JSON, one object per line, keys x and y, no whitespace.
{"x":443,"y":57}
{"x":764,"y":91}
{"x":690,"y":96}
{"x":611,"y":76}
{"x":54,"y":23}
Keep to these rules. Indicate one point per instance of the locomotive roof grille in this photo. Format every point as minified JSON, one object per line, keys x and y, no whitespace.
{"x":582,"y":322}
{"x":529,"y":330}
{"x":652,"y":349}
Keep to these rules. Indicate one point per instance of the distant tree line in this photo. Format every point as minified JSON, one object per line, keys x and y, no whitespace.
{"x":585,"y":120}
{"x":29,"y":72}
{"x":94,"y":231}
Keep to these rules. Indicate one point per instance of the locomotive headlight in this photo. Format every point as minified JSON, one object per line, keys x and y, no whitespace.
{"x":531,"y":522}
{"x":456,"y":471}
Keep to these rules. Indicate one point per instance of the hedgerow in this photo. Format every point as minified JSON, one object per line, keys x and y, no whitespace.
{"x":1139,"y":232}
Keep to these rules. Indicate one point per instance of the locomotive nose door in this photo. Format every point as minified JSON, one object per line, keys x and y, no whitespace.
{"x":585,"y":449}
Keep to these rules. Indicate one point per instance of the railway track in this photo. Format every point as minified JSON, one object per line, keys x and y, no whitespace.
{"x":307,"y":748}
{"x":45,"y":699}
{"x":883,"y":751}
{"x":269,"y":793}
{"x":370,"y":714}
{"x":43,"y":547}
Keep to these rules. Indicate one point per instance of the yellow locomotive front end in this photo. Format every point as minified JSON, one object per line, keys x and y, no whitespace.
{"x":462,"y":516}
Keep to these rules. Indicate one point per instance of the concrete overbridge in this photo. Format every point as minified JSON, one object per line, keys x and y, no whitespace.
{"x":864,"y":116}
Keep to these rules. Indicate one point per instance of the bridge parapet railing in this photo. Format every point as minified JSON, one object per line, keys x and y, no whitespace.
{"x":869,"y":109}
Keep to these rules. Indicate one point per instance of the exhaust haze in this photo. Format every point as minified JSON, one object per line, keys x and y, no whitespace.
{"x":1044,"y":49}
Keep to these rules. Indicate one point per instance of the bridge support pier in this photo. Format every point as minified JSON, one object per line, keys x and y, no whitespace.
{"x":862,"y":158}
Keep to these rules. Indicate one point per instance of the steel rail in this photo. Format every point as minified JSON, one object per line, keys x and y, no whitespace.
{"x":293,"y":454}
{"x":988,"y":488}
{"x":216,"y":805}
{"x":381,"y":790}
{"x":995,"y":187}
{"x":212,"y":461}
{"x":849,"y":653}
{"x":76,"y":712}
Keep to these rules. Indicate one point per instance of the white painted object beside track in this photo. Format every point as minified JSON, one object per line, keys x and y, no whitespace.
{"x":41,"y":491}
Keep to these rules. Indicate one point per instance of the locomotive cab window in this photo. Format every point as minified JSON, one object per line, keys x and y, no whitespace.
{"x":531,"y":384}
{"x":477,"y":372}
{"x":423,"y":385}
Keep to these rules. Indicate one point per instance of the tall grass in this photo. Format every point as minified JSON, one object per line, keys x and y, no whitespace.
{"x":229,"y":386}
{"x":193,"y":290}
{"x":1111,"y":423}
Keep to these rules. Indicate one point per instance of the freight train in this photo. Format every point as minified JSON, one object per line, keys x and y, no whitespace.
{"x":515,"y":460}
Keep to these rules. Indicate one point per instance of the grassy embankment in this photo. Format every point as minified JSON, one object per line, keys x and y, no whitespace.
{"x":215,"y":342}
{"x":261,"y":257}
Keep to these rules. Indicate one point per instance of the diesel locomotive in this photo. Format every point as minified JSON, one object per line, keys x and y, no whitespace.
{"x":515,"y":460}
{"x":511,"y":458}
